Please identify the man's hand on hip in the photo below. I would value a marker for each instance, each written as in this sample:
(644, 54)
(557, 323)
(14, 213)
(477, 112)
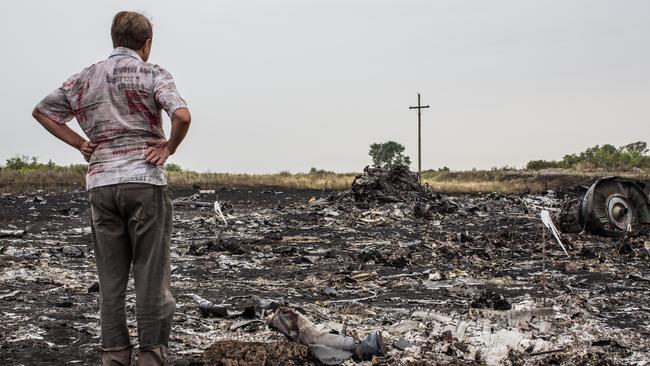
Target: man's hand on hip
(157, 152)
(160, 149)
(87, 149)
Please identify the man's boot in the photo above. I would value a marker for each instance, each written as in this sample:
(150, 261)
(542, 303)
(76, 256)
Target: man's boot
(153, 356)
(116, 358)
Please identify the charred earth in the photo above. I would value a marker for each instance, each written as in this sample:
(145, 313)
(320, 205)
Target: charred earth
(445, 279)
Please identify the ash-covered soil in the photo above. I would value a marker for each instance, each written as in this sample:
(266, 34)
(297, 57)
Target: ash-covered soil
(465, 286)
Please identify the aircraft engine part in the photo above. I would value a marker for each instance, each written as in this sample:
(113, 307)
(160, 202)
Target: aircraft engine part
(612, 207)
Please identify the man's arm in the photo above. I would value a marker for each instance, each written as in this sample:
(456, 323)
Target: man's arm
(159, 150)
(66, 134)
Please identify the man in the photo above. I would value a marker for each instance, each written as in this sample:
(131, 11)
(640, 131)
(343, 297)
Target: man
(117, 103)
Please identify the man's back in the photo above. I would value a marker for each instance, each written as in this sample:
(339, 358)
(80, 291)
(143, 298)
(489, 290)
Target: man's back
(117, 103)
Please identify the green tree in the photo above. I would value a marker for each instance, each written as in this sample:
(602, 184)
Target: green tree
(388, 154)
(626, 157)
(638, 147)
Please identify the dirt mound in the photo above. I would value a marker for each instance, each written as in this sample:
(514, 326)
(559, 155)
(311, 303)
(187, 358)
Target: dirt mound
(238, 353)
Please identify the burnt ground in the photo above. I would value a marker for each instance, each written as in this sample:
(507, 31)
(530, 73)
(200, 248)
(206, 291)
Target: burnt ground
(351, 270)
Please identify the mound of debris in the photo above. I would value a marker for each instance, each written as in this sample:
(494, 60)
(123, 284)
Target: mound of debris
(398, 185)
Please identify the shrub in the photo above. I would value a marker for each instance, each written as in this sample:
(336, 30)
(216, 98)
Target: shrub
(24, 162)
(172, 167)
(18, 162)
(320, 172)
(542, 164)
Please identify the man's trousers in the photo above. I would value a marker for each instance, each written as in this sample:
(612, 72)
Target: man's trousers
(131, 226)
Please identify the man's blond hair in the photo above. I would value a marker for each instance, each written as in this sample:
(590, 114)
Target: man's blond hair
(130, 30)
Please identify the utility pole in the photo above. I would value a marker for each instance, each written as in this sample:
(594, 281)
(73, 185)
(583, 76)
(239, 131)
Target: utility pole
(419, 108)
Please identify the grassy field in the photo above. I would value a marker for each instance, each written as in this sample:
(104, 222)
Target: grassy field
(509, 180)
(59, 178)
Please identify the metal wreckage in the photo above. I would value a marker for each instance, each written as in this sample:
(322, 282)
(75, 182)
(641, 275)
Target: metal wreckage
(386, 273)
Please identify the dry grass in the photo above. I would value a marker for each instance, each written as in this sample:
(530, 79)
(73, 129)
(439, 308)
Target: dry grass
(485, 186)
(456, 182)
(287, 180)
(47, 179)
(515, 180)
(66, 178)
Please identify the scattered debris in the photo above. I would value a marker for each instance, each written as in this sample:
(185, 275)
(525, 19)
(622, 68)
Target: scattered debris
(72, 251)
(548, 222)
(192, 201)
(352, 268)
(207, 308)
(69, 211)
(402, 344)
(217, 210)
(331, 292)
(491, 300)
(370, 347)
(10, 295)
(12, 233)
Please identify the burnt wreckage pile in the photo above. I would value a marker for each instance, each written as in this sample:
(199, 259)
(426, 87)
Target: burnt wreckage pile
(399, 185)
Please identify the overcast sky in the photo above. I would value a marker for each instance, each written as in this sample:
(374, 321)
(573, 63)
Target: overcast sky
(290, 85)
